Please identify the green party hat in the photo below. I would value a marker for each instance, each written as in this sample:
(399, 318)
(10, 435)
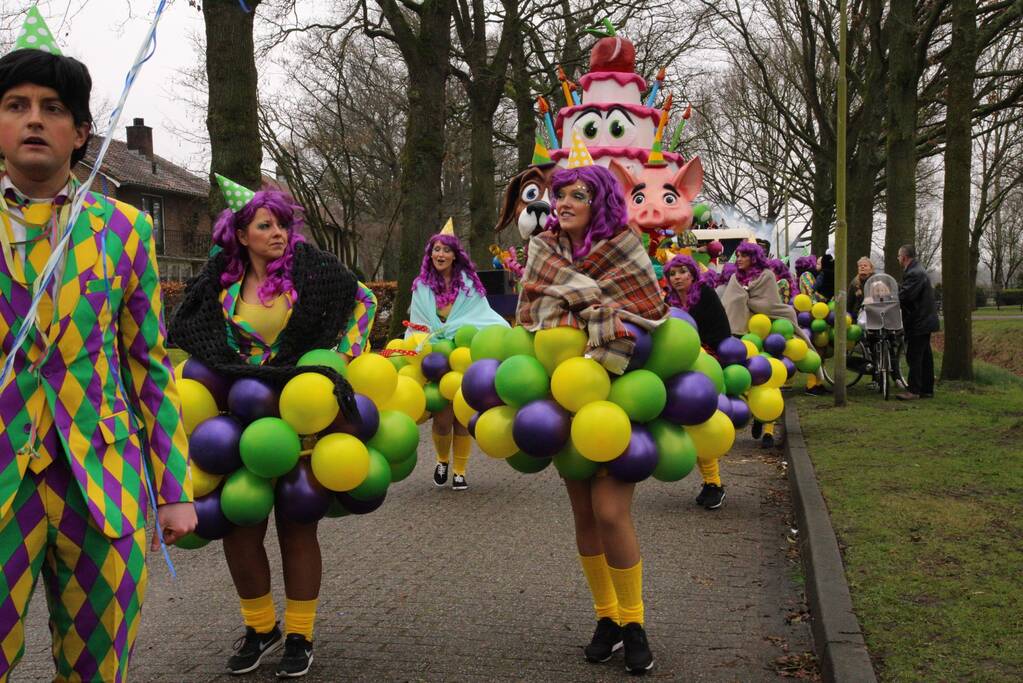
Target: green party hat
(235, 195)
(36, 35)
(540, 154)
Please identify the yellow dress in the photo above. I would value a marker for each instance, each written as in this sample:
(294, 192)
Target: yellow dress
(267, 321)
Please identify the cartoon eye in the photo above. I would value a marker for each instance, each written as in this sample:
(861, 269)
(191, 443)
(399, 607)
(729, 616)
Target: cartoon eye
(638, 198)
(530, 193)
(620, 127)
(670, 198)
(589, 125)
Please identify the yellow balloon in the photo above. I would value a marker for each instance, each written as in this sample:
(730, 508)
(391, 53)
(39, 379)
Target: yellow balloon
(450, 383)
(308, 403)
(766, 403)
(820, 310)
(460, 359)
(821, 340)
(417, 342)
(848, 320)
(463, 411)
(802, 303)
(179, 369)
(197, 404)
(408, 398)
(556, 345)
(413, 372)
(760, 325)
(374, 376)
(395, 344)
(751, 348)
(579, 381)
(714, 437)
(601, 431)
(796, 349)
(778, 374)
(340, 462)
(494, 432)
(202, 481)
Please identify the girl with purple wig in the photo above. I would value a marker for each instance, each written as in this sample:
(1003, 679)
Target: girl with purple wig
(786, 283)
(806, 274)
(264, 299)
(446, 296)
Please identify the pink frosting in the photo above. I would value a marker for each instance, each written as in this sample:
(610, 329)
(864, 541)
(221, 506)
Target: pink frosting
(621, 77)
(637, 109)
(637, 153)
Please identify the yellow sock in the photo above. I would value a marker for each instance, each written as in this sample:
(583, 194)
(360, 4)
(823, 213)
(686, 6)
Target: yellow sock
(299, 616)
(442, 442)
(710, 470)
(628, 585)
(811, 381)
(605, 600)
(769, 428)
(259, 613)
(463, 446)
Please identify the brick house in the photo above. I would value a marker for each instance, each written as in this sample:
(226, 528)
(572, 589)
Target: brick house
(176, 198)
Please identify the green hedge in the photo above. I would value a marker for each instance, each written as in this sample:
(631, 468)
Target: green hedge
(1009, 297)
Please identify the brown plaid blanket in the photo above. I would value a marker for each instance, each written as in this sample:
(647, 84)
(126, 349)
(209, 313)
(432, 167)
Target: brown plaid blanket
(615, 283)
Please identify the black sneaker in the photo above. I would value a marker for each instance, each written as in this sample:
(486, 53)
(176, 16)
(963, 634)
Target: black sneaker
(638, 658)
(713, 495)
(703, 494)
(767, 441)
(298, 657)
(440, 474)
(458, 483)
(250, 649)
(757, 429)
(606, 640)
(817, 390)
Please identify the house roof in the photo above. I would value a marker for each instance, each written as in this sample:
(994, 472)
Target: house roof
(131, 168)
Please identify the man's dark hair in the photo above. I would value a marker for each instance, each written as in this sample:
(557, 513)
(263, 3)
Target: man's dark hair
(69, 77)
(909, 250)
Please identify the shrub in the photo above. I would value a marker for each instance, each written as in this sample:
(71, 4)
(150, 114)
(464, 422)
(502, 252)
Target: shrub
(1009, 297)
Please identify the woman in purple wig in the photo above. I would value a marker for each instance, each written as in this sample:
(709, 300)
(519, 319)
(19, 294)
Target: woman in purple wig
(447, 296)
(786, 283)
(588, 270)
(806, 274)
(264, 299)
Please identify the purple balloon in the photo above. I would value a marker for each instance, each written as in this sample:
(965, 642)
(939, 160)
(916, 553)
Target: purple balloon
(471, 427)
(740, 413)
(211, 522)
(644, 343)
(300, 497)
(804, 319)
(640, 458)
(218, 385)
(541, 428)
(364, 426)
(725, 404)
(435, 366)
(831, 319)
(759, 369)
(251, 399)
(684, 316)
(790, 367)
(731, 351)
(359, 507)
(478, 388)
(213, 445)
(775, 345)
(692, 398)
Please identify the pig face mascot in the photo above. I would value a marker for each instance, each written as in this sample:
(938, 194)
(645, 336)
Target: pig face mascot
(660, 199)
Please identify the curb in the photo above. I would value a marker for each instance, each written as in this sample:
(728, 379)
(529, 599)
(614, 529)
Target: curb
(836, 630)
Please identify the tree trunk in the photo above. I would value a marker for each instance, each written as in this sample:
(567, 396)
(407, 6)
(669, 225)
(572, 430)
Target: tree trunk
(900, 176)
(482, 192)
(823, 204)
(863, 171)
(525, 131)
(961, 65)
(232, 113)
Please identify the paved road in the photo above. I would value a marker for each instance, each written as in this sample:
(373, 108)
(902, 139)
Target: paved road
(484, 585)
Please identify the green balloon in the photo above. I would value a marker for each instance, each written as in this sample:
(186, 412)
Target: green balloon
(465, 334)
(571, 464)
(246, 498)
(327, 358)
(831, 333)
(398, 362)
(489, 343)
(434, 401)
(397, 437)
(443, 347)
(401, 470)
(336, 509)
(521, 379)
(640, 393)
(376, 482)
(708, 365)
(676, 451)
(269, 447)
(831, 305)
(527, 464)
(699, 210)
(783, 327)
(518, 341)
(810, 363)
(818, 326)
(191, 542)
(737, 379)
(754, 339)
(675, 347)
(854, 333)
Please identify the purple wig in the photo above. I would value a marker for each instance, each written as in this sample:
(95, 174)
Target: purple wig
(428, 275)
(806, 264)
(278, 272)
(727, 271)
(608, 215)
(693, 295)
(758, 263)
(782, 272)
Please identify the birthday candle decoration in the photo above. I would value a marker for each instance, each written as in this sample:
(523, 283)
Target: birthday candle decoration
(575, 93)
(676, 138)
(566, 89)
(545, 109)
(657, 87)
(664, 118)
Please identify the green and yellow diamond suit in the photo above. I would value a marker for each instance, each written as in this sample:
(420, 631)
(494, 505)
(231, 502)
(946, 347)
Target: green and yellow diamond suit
(91, 396)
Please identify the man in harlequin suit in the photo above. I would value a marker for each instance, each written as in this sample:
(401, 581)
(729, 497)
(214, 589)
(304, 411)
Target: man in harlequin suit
(89, 414)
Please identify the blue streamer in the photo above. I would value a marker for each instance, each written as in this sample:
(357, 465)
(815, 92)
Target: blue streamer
(244, 6)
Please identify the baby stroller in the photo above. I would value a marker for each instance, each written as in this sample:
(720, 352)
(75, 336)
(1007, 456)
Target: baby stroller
(880, 317)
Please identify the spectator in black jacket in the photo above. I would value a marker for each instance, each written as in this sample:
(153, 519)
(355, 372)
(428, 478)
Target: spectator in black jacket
(825, 283)
(920, 319)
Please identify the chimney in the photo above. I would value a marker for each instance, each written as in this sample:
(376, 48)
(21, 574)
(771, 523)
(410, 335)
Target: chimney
(140, 138)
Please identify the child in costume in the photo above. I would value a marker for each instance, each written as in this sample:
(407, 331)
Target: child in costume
(90, 420)
(590, 271)
(446, 296)
(265, 299)
(806, 274)
(783, 276)
(694, 293)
